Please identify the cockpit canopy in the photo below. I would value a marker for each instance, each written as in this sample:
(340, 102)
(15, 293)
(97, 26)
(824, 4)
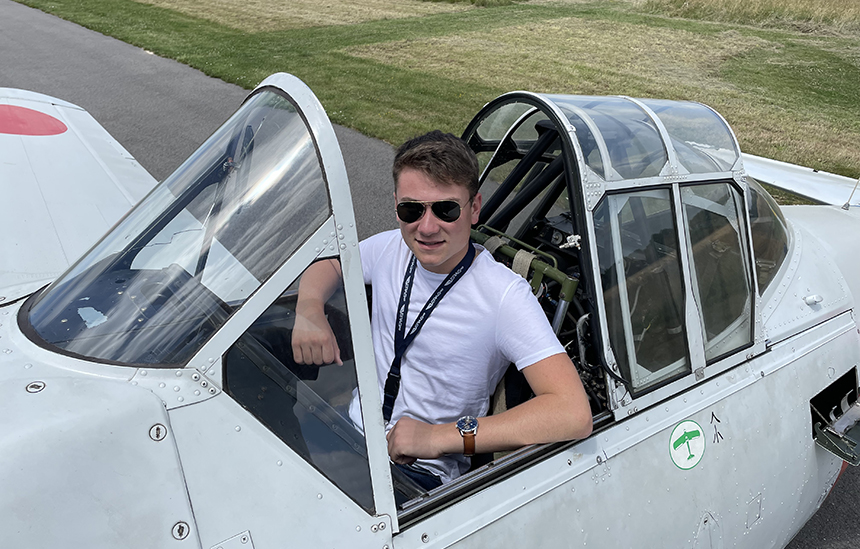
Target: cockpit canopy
(170, 274)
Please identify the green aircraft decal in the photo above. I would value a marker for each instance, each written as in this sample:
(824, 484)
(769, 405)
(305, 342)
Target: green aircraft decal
(685, 439)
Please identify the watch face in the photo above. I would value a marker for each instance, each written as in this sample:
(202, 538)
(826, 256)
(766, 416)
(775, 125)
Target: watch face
(467, 423)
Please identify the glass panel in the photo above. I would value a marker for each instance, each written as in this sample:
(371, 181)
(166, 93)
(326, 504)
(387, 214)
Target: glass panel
(307, 407)
(496, 124)
(769, 234)
(642, 285)
(701, 139)
(168, 276)
(719, 262)
(632, 140)
(520, 183)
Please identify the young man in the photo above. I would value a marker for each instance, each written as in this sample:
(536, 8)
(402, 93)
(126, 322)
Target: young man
(473, 315)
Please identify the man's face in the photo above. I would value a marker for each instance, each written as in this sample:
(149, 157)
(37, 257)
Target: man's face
(438, 245)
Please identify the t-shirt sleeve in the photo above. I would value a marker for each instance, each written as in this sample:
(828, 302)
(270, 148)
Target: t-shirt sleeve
(370, 249)
(523, 332)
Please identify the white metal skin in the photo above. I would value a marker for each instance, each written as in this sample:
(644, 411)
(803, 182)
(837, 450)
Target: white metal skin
(60, 192)
(97, 455)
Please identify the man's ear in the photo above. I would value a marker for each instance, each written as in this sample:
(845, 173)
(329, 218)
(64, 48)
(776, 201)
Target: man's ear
(476, 208)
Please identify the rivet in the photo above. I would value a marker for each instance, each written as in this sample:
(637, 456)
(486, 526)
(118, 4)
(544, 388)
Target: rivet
(425, 538)
(244, 539)
(27, 366)
(382, 526)
(178, 373)
(211, 360)
(195, 376)
(143, 372)
(204, 383)
(176, 389)
(358, 528)
(238, 428)
(212, 390)
(196, 393)
(162, 385)
(374, 528)
(181, 399)
(279, 462)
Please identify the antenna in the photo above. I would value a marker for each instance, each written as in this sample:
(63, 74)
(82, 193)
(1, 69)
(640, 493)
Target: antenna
(847, 204)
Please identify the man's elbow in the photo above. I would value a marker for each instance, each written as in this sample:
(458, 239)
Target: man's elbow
(581, 423)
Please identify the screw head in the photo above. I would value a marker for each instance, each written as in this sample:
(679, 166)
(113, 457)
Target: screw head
(35, 386)
(180, 530)
(158, 432)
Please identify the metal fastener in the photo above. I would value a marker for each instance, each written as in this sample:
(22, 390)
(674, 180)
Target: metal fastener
(158, 432)
(425, 538)
(180, 530)
(35, 386)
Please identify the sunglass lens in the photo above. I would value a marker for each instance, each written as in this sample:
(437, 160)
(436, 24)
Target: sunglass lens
(410, 212)
(446, 210)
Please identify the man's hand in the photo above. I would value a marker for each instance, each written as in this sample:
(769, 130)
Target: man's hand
(411, 439)
(313, 340)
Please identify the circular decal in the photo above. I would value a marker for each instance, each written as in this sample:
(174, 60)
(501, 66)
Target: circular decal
(687, 444)
(23, 121)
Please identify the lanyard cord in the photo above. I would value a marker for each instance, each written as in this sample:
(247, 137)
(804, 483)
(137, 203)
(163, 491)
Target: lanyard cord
(401, 341)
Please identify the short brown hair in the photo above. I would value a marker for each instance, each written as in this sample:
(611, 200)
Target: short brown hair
(443, 157)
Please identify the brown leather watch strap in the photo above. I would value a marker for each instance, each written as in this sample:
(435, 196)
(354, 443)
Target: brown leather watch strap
(468, 444)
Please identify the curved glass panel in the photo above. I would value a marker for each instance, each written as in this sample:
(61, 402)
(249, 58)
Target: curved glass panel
(640, 272)
(701, 139)
(524, 166)
(496, 124)
(168, 276)
(769, 234)
(632, 140)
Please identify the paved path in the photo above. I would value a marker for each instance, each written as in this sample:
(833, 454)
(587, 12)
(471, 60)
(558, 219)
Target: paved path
(161, 111)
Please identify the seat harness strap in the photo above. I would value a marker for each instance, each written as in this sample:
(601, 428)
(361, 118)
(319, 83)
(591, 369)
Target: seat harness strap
(401, 341)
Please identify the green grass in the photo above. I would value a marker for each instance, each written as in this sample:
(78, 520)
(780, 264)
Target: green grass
(788, 94)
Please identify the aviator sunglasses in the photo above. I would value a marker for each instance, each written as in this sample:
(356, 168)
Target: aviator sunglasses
(413, 210)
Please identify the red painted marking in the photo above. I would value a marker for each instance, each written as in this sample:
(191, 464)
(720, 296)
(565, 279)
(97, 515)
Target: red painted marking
(23, 121)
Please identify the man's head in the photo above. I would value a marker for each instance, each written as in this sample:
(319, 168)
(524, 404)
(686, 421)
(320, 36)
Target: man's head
(432, 172)
(443, 157)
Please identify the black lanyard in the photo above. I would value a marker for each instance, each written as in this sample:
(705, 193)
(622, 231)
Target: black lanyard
(403, 340)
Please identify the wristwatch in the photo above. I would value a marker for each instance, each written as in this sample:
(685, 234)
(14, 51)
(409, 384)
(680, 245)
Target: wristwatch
(468, 427)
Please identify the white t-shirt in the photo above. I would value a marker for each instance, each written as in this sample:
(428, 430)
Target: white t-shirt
(489, 319)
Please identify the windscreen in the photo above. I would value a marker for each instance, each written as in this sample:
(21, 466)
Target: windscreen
(168, 276)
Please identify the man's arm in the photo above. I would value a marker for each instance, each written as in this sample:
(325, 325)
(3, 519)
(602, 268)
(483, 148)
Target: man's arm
(313, 340)
(559, 411)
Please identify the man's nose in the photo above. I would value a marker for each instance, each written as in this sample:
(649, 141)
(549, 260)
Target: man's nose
(429, 223)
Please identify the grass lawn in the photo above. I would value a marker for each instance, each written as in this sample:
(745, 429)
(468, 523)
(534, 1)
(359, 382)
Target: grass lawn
(787, 79)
